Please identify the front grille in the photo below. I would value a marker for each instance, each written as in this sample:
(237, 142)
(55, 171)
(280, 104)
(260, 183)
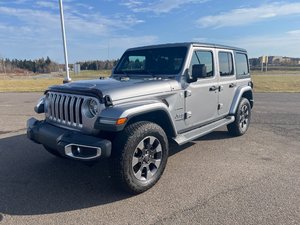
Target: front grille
(65, 108)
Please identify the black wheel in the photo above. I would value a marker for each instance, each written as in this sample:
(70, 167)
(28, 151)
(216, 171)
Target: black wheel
(53, 152)
(242, 119)
(140, 155)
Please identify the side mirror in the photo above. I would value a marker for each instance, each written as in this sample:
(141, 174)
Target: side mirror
(199, 71)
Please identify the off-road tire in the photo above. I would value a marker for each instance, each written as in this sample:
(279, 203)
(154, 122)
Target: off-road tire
(125, 147)
(242, 119)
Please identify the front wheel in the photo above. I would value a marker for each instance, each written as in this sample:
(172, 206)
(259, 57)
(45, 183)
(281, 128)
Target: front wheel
(242, 119)
(140, 154)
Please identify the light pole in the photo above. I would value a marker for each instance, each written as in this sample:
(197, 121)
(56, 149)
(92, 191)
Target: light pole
(67, 78)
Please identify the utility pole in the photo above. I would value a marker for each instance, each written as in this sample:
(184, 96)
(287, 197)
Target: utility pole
(264, 62)
(108, 48)
(63, 31)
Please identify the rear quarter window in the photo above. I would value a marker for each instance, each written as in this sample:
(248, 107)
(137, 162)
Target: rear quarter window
(242, 67)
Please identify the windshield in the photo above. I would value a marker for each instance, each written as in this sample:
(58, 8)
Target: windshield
(155, 61)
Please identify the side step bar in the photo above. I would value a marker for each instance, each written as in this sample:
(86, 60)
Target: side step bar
(201, 131)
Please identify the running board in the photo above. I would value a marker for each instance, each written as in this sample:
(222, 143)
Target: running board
(201, 131)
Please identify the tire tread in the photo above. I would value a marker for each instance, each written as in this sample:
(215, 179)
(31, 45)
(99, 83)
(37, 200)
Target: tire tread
(233, 128)
(122, 142)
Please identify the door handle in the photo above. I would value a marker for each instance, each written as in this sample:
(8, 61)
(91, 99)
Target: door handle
(213, 88)
(232, 85)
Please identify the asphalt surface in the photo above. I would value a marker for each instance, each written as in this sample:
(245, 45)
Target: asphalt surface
(15, 109)
(217, 179)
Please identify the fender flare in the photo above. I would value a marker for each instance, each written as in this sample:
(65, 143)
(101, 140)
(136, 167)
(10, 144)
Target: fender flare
(237, 97)
(109, 116)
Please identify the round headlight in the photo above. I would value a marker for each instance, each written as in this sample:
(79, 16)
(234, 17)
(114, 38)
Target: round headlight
(91, 108)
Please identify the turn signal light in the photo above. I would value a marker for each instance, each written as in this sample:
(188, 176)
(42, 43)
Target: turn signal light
(121, 121)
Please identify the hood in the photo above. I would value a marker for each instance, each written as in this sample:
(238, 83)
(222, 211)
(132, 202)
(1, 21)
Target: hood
(121, 89)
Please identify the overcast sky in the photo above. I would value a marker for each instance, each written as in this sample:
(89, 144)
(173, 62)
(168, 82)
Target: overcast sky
(104, 29)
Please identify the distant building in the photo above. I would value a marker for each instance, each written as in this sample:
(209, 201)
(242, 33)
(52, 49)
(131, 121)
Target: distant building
(76, 68)
(275, 60)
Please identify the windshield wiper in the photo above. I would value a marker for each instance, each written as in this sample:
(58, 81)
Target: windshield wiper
(152, 74)
(122, 75)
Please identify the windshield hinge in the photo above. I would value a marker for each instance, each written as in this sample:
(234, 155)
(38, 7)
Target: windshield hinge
(187, 93)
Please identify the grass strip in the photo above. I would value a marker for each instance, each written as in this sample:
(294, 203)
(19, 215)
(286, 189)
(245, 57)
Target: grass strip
(262, 83)
(272, 83)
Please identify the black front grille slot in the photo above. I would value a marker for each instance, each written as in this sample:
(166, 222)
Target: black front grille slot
(65, 109)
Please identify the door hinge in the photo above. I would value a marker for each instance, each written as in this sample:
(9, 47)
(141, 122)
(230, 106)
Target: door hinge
(187, 93)
(188, 115)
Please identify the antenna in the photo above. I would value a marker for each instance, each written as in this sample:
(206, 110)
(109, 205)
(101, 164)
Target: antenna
(67, 78)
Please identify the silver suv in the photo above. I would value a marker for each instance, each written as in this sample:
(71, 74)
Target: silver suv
(155, 94)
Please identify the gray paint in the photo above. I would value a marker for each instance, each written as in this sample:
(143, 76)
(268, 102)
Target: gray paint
(187, 105)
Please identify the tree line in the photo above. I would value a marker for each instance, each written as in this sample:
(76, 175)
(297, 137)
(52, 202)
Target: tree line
(43, 65)
(97, 65)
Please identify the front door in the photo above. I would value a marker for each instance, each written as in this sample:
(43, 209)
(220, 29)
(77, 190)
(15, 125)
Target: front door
(201, 96)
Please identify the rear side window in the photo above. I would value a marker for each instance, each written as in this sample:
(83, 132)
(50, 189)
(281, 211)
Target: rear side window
(226, 64)
(242, 68)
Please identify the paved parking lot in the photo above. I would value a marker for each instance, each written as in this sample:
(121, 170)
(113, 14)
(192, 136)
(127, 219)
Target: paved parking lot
(253, 179)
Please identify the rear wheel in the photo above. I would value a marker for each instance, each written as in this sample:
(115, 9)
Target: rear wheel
(242, 119)
(140, 154)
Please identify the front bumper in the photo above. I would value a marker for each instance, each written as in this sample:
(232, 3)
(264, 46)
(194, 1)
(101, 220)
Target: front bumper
(71, 144)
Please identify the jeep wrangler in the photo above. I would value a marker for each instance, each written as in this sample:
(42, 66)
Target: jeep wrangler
(155, 94)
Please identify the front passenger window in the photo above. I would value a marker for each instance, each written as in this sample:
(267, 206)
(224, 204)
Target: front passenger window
(203, 57)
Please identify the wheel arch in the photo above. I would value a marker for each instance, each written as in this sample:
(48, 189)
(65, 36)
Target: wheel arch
(243, 92)
(148, 110)
(160, 117)
(249, 95)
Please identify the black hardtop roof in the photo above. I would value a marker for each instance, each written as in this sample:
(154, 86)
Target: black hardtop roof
(188, 44)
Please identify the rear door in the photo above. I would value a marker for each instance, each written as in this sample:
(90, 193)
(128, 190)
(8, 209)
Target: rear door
(227, 81)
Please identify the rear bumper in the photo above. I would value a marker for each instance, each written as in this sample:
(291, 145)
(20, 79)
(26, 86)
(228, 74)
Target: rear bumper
(68, 143)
